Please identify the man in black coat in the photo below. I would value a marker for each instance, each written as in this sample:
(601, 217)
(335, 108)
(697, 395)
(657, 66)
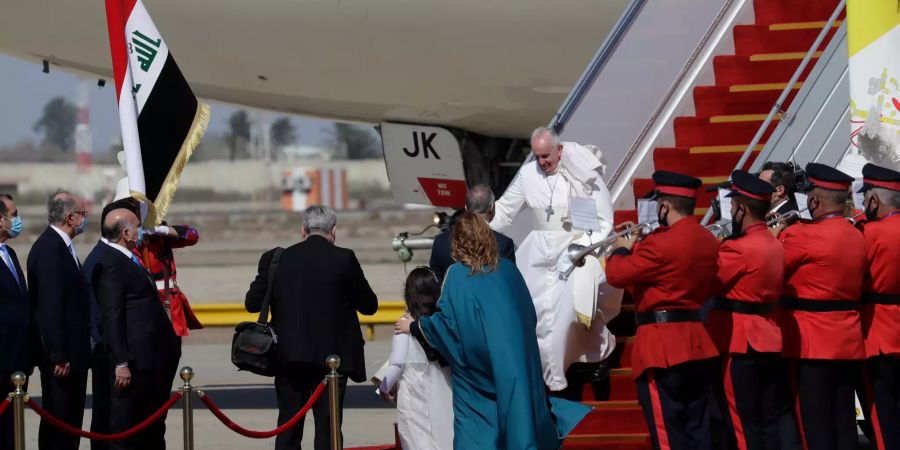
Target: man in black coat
(15, 315)
(479, 200)
(317, 290)
(136, 332)
(101, 367)
(60, 307)
(781, 176)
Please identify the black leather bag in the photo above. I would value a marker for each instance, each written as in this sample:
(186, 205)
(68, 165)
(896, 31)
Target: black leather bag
(254, 347)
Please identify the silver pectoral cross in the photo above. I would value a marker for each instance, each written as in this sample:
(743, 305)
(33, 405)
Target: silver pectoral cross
(549, 212)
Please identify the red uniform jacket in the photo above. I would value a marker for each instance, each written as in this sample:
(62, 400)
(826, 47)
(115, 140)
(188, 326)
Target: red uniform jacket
(824, 261)
(672, 268)
(881, 323)
(751, 270)
(156, 254)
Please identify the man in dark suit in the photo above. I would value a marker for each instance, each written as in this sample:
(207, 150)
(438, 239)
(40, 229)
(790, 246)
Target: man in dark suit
(60, 307)
(479, 200)
(15, 315)
(136, 332)
(317, 290)
(781, 176)
(101, 367)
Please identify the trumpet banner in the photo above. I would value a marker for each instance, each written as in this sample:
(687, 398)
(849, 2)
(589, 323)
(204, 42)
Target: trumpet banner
(873, 37)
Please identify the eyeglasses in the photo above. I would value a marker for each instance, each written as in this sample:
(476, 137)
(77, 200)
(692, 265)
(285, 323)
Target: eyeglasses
(82, 213)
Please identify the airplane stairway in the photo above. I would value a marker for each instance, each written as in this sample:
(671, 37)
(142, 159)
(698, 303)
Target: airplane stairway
(709, 144)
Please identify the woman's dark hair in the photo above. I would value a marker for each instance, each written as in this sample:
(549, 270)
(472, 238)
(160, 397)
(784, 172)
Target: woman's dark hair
(421, 292)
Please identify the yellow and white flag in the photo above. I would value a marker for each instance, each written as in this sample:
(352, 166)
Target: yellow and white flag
(873, 37)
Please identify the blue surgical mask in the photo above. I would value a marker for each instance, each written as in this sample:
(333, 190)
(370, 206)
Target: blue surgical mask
(15, 227)
(140, 237)
(80, 229)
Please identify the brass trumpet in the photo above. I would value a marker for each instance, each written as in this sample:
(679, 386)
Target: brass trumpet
(780, 219)
(577, 252)
(718, 229)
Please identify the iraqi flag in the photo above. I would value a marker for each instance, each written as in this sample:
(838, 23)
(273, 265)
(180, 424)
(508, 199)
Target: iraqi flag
(162, 121)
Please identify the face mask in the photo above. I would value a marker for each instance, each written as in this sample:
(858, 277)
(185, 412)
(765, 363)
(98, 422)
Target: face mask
(140, 237)
(16, 227)
(809, 204)
(80, 228)
(871, 212)
(663, 218)
(736, 225)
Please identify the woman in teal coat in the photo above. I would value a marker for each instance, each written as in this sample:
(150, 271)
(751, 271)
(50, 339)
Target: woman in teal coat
(485, 329)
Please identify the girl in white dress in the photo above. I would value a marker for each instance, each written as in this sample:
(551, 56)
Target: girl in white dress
(424, 396)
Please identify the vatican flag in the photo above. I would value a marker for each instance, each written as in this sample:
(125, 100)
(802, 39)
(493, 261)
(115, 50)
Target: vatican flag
(873, 37)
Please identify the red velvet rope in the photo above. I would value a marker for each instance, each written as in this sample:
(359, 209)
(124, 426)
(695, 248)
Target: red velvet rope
(263, 434)
(3, 405)
(99, 436)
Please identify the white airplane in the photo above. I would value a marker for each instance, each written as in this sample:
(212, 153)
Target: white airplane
(494, 67)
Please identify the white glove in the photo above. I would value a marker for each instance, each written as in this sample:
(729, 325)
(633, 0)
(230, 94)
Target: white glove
(162, 229)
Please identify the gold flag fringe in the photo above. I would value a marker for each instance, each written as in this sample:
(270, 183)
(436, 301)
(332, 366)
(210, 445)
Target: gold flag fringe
(584, 320)
(157, 210)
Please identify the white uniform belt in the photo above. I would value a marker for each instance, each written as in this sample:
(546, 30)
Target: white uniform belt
(161, 284)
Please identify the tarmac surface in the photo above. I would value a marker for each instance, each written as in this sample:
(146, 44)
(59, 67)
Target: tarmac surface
(249, 400)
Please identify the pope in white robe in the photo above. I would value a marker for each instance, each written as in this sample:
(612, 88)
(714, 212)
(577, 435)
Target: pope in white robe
(534, 211)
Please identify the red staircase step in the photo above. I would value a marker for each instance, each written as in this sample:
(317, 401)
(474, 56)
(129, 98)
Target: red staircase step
(613, 417)
(731, 100)
(719, 130)
(734, 69)
(682, 160)
(622, 385)
(756, 39)
(623, 215)
(638, 441)
(627, 343)
(782, 11)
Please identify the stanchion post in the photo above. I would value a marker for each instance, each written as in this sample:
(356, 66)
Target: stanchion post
(18, 403)
(333, 362)
(187, 374)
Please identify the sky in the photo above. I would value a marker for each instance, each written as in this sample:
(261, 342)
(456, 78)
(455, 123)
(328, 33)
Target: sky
(24, 90)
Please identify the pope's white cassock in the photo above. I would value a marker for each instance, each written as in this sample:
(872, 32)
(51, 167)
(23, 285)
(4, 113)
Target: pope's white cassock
(571, 314)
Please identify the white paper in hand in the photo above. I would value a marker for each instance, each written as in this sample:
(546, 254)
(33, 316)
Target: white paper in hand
(583, 212)
(725, 204)
(858, 197)
(646, 210)
(801, 203)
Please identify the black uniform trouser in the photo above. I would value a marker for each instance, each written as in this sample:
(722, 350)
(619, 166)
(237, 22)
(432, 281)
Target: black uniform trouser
(63, 398)
(580, 374)
(293, 388)
(755, 400)
(825, 402)
(677, 404)
(881, 388)
(6, 419)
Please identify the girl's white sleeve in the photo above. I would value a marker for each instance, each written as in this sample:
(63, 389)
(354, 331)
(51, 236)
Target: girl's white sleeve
(399, 346)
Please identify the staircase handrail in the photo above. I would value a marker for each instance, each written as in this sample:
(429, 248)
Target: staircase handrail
(599, 60)
(692, 68)
(777, 107)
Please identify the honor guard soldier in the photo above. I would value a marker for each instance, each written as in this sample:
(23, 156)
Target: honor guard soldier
(156, 254)
(754, 393)
(669, 274)
(881, 302)
(824, 265)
